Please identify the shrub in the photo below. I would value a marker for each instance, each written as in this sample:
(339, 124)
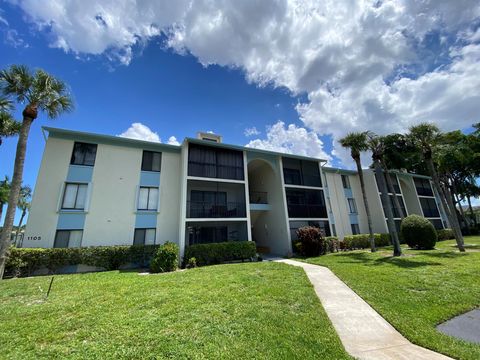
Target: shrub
(310, 241)
(165, 259)
(216, 253)
(25, 261)
(445, 234)
(191, 263)
(418, 232)
(332, 244)
(362, 241)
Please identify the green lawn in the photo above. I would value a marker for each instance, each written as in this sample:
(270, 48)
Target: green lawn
(252, 310)
(417, 291)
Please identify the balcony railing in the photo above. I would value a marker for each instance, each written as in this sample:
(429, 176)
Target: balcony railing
(203, 209)
(258, 197)
(307, 211)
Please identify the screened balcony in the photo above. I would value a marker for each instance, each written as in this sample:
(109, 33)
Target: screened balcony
(206, 199)
(214, 232)
(212, 162)
(305, 204)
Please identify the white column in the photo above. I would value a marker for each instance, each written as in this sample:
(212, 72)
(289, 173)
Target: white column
(284, 198)
(183, 198)
(247, 196)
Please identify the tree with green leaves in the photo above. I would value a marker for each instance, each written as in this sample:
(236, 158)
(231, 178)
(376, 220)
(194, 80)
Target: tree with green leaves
(24, 206)
(36, 91)
(4, 193)
(377, 147)
(8, 125)
(426, 137)
(357, 143)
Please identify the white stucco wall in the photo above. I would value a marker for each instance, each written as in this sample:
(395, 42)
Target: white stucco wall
(111, 217)
(376, 211)
(339, 204)
(169, 211)
(43, 217)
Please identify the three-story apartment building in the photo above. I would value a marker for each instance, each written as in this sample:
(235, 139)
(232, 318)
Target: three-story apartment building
(95, 190)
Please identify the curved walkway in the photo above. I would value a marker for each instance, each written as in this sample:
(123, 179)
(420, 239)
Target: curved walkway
(363, 332)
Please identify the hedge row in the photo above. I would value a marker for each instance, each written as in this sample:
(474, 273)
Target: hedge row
(362, 241)
(445, 234)
(25, 261)
(216, 253)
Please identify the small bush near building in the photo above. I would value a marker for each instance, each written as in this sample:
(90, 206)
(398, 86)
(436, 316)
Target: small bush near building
(216, 253)
(165, 259)
(25, 261)
(362, 241)
(311, 242)
(445, 234)
(418, 232)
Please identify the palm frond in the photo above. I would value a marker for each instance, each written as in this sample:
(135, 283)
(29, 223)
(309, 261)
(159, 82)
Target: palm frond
(16, 81)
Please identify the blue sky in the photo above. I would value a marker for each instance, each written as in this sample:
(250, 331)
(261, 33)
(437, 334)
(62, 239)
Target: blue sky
(301, 73)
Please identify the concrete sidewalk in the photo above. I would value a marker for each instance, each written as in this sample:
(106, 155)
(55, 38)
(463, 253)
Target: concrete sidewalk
(363, 332)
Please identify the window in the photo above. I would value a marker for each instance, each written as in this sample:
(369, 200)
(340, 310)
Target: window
(147, 198)
(68, 238)
(206, 161)
(334, 230)
(393, 178)
(74, 196)
(322, 225)
(84, 154)
(144, 236)
(352, 206)
(429, 207)
(151, 161)
(304, 203)
(423, 187)
(355, 229)
(207, 234)
(346, 182)
(437, 223)
(301, 172)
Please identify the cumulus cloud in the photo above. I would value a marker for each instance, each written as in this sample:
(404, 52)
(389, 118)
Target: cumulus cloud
(172, 140)
(252, 131)
(291, 140)
(362, 64)
(140, 131)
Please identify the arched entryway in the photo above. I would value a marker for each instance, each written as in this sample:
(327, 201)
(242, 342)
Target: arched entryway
(267, 210)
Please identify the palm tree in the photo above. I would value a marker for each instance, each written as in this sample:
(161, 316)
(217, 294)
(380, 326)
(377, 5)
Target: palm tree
(4, 192)
(24, 206)
(37, 91)
(8, 126)
(357, 142)
(425, 136)
(377, 147)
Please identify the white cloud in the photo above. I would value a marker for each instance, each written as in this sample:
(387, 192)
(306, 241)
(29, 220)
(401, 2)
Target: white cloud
(139, 131)
(252, 131)
(347, 56)
(172, 140)
(291, 140)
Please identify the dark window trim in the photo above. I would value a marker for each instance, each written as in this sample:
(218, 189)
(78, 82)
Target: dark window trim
(148, 198)
(69, 233)
(83, 162)
(144, 235)
(151, 167)
(76, 196)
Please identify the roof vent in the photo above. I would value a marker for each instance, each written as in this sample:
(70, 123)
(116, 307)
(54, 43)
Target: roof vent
(209, 136)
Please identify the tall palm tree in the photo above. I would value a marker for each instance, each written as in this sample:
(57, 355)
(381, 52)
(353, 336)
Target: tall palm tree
(4, 192)
(377, 147)
(357, 142)
(24, 206)
(8, 126)
(425, 136)
(38, 91)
